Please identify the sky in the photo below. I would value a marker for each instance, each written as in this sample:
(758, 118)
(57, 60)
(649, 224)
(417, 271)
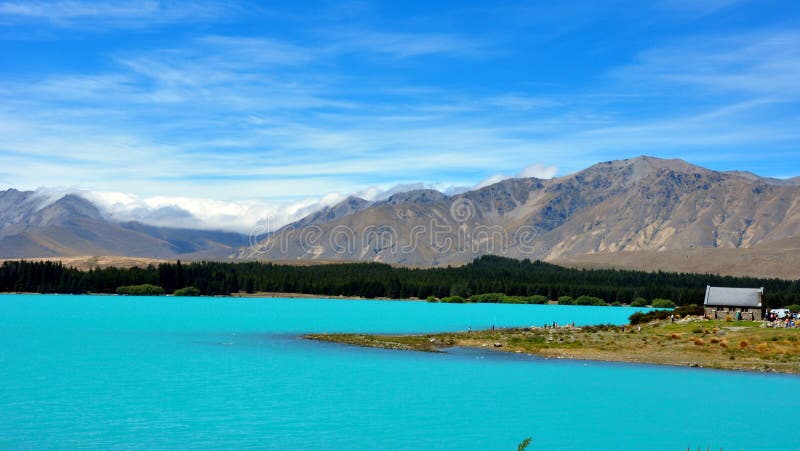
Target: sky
(220, 114)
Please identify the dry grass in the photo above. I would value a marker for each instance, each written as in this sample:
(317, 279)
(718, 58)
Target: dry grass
(743, 344)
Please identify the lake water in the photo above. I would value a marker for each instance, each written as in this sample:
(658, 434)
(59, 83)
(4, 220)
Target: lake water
(155, 373)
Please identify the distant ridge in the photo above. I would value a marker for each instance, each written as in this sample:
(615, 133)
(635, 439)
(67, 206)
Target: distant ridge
(768, 180)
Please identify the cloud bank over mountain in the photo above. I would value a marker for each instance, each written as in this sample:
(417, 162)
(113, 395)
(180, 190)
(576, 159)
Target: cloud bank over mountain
(242, 216)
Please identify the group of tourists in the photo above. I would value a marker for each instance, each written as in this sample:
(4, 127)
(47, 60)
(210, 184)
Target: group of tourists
(555, 325)
(787, 320)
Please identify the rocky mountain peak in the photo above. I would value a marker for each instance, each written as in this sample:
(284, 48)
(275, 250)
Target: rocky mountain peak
(420, 196)
(65, 209)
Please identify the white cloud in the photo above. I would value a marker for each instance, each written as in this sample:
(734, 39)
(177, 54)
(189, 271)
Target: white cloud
(491, 180)
(538, 170)
(201, 213)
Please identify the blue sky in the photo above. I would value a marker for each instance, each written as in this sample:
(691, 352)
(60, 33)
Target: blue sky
(230, 109)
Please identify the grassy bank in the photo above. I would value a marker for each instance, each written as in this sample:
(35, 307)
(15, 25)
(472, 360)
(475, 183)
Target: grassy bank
(695, 342)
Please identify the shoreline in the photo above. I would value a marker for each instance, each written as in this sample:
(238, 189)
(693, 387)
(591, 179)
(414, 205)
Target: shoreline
(233, 295)
(293, 295)
(288, 295)
(696, 343)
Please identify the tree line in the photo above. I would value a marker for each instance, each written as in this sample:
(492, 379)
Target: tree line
(487, 274)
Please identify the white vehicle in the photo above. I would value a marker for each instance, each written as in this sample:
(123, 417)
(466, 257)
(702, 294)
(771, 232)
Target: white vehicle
(781, 312)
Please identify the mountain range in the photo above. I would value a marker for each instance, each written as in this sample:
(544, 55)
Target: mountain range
(644, 212)
(643, 204)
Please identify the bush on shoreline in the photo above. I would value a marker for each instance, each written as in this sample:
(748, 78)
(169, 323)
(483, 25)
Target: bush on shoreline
(453, 300)
(566, 300)
(589, 300)
(145, 289)
(502, 298)
(663, 303)
(488, 298)
(186, 291)
(536, 299)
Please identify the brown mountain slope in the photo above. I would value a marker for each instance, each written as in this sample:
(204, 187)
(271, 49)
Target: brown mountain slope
(642, 204)
(782, 263)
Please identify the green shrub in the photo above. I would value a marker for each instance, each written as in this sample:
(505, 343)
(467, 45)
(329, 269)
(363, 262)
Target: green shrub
(639, 302)
(663, 303)
(600, 328)
(536, 299)
(140, 290)
(640, 318)
(432, 299)
(501, 298)
(616, 304)
(691, 309)
(566, 300)
(589, 300)
(794, 308)
(488, 298)
(186, 291)
(453, 300)
(513, 300)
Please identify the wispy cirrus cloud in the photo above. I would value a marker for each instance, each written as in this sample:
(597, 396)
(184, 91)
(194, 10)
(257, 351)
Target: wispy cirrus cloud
(758, 63)
(281, 125)
(102, 14)
(699, 7)
(64, 10)
(404, 44)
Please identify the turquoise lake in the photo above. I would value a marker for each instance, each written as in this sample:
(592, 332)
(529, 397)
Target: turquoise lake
(189, 373)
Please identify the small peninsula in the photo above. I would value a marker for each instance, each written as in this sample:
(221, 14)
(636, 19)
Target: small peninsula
(691, 341)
